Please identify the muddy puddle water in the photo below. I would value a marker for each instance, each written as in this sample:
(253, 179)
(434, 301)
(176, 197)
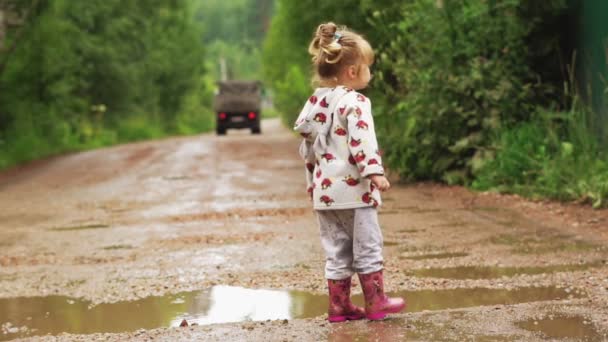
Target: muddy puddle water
(221, 304)
(489, 272)
(437, 256)
(574, 328)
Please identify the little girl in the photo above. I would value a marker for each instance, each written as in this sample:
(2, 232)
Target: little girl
(344, 172)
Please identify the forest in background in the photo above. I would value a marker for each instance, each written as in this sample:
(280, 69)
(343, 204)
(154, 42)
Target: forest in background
(488, 94)
(506, 95)
(76, 75)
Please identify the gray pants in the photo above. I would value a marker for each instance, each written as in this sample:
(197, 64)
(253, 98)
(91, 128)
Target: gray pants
(352, 241)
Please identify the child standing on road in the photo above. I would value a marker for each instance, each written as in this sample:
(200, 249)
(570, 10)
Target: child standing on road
(344, 172)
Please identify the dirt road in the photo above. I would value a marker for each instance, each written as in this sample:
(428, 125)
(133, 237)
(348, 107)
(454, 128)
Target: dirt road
(182, 216)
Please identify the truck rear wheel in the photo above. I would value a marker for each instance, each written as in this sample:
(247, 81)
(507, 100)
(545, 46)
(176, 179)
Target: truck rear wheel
(220, 131)
(256, 130)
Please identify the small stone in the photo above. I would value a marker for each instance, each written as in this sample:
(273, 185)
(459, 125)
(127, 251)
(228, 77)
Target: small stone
(184, 323)
(285, 321)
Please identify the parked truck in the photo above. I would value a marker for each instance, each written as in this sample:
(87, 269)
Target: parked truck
(238, 105)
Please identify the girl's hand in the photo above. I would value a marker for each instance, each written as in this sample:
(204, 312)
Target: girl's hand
(380, 182)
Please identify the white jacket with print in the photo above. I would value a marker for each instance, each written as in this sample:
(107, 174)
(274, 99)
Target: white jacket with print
(340, 149)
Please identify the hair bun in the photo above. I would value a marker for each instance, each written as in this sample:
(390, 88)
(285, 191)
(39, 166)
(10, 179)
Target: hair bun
(326, 32)
(324, 47)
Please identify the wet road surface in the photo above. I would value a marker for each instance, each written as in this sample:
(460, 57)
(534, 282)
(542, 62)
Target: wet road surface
(218, 231)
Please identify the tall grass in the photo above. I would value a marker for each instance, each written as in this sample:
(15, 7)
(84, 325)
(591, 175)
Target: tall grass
(554, 156)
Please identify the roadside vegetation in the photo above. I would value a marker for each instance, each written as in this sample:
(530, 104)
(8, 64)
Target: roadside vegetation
(483, 93)
(76, 75)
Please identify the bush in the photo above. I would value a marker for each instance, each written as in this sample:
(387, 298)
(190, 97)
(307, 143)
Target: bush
(454, 73)
(552, 157)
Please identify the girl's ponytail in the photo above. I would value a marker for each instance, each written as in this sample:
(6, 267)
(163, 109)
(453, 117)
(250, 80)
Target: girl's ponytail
(333, 47)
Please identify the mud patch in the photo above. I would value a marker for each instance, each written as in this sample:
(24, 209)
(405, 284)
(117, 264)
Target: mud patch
(223, 304)
(216, 239)
(574, 328)
(10, 239)
(243, 214)
(83, 227)
(490, 272)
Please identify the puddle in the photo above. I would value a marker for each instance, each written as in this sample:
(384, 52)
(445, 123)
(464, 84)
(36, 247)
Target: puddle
(575, 328)
(490, 272)
(390, 243)
(437, 256)
(89, 226)
(543, 242)
(223, 304)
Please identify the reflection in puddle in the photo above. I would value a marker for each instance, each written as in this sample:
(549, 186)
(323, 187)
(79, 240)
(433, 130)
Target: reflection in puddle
(575, 328)
(56, 314)
(544, 242)
(489, 272)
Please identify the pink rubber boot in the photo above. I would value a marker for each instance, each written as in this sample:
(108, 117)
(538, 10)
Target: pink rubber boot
(340, 306)
(377, 304)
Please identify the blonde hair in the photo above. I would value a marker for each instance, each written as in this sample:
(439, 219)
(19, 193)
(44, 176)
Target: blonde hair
(335, 47)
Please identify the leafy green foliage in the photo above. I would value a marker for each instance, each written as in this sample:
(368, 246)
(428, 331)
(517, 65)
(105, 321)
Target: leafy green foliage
(92, 73)
(553, 156)
(457, 90)
(453, 74)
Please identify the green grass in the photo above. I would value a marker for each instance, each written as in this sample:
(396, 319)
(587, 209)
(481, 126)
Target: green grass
(553, 157)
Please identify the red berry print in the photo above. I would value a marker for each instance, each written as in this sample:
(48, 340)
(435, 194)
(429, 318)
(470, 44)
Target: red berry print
(313, 99)
(310, 167)
(362, 125)
(372, 162)
(324, 103)
(340, 131)
(318, 174)
(361, 98)
(328, 156)
(352, 160)
(326, 199)
(358, 112)
(360, 156)
(320, 117)
(355, 142)
(350, 180)
(368, 199)
(342, 110)
(326, 183)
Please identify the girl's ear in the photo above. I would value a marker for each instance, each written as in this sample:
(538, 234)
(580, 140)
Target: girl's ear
(352, 72)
